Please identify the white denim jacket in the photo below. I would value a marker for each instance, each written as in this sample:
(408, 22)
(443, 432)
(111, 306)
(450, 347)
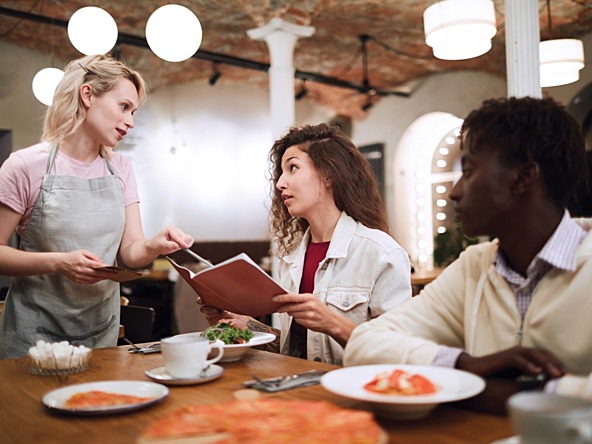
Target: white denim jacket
(365, 273)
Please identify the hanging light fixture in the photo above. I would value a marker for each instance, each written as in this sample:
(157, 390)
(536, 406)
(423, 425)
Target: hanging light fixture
(302, 92)
(45, 83)
(459, 29)
(173, 33)
(216, 74)
(92, 30)
(561, 59)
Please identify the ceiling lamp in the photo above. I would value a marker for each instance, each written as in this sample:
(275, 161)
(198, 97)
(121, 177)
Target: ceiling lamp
(45, 83)
(459, 29)
(561, 61)
(173, 33)
(92, 30)
(216, 74)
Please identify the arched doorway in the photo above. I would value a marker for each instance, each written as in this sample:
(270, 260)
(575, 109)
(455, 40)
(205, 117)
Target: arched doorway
(426, 166)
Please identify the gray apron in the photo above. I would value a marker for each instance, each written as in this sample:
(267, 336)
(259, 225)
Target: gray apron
(70, 214)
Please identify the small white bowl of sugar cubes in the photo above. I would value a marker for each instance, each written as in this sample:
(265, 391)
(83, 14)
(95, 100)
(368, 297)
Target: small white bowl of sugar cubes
(58, 358)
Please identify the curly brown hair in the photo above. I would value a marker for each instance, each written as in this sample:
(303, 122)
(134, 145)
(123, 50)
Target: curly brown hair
(526, 129)
(334, 155)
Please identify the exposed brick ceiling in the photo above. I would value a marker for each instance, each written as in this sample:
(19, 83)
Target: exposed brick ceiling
(398, 57)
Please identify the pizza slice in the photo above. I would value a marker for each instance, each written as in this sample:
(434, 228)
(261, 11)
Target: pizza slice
(400, 382)
(265, 421)
(98, 398)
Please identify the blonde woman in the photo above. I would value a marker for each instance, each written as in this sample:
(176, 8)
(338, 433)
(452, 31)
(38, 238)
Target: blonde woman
(74, 204)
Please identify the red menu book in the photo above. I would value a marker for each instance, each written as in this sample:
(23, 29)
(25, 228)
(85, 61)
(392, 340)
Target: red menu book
(237, 285)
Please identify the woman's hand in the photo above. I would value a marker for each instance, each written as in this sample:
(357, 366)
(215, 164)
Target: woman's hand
(81, 266)
(216, 316)
(136, 251)
(169, 240)
(311, 313)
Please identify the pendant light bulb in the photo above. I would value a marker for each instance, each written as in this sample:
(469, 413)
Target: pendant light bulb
(173, 33)
(92, 31)
(45, 83)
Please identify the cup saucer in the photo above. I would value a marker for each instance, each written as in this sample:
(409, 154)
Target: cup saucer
(510, 440)
(160, 374)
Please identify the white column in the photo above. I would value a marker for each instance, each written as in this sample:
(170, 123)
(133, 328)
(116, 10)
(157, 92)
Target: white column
(522, 48)
(281, 37)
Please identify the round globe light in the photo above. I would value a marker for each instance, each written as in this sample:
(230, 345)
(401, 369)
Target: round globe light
(45, 83)
(92, 30)
(173, 33)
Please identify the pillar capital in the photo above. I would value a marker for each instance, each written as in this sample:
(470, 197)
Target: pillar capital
(281, 37)
(279, 24)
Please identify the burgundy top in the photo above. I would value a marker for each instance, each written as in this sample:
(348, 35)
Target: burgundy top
(315, 253)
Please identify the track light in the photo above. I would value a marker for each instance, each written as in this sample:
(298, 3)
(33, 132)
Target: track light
(368, 104)
(302, 92)
(215, 75)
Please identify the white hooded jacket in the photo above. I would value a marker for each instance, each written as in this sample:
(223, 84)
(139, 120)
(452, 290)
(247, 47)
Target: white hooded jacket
(473, 308)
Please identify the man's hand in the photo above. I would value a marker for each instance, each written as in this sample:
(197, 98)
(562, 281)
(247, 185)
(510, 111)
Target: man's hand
(521, 360)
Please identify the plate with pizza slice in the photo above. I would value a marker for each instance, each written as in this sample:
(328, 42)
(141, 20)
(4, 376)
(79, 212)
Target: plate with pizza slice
(104, 397)
(403, 391)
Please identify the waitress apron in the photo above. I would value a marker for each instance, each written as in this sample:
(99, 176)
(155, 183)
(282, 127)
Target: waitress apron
(70, 214)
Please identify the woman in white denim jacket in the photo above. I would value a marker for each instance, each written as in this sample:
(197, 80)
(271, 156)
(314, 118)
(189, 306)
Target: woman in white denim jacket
(330, 235)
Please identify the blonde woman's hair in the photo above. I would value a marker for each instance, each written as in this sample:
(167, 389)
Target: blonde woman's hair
(67, 112)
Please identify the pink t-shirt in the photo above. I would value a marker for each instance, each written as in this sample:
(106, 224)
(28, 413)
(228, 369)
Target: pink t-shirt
(22, 173)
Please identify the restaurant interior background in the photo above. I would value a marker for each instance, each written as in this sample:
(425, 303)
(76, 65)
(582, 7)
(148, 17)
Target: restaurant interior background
(200, 145)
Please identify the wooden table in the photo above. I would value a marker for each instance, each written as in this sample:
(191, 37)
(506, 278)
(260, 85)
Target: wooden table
(420, 278)
(424, 277)
(23, 419)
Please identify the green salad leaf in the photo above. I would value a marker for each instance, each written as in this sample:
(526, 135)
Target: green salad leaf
(227, 334)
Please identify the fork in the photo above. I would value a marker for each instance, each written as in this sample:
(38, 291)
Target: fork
(269, 382)
(134, 346)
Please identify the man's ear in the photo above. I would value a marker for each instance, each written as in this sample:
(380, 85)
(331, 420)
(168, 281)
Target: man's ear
(86, 94)
(526, 176)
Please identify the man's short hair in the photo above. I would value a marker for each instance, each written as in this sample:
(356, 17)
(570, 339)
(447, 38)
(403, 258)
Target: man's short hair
(526, 129)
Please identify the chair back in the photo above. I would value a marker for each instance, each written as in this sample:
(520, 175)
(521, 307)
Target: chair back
(138, 322)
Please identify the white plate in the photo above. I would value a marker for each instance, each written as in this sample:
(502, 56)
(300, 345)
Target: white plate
(56, 399)
(161, 375)
(510, 440)
(452, 384)
(233, 352)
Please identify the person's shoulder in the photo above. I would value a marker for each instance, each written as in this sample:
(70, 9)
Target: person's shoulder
(482, 253)
(117, 158)
(584, 222)
(376, 237)
(585, 248)
(31, 156)
(121, 163)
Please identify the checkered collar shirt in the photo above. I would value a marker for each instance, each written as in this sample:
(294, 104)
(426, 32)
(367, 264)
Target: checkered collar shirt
(559, 252)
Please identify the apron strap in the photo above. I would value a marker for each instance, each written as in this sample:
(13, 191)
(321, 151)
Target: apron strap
(52, 155)
(109, 166)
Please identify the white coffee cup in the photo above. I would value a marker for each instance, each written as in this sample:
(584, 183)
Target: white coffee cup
(541, 418)
(185, 356)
